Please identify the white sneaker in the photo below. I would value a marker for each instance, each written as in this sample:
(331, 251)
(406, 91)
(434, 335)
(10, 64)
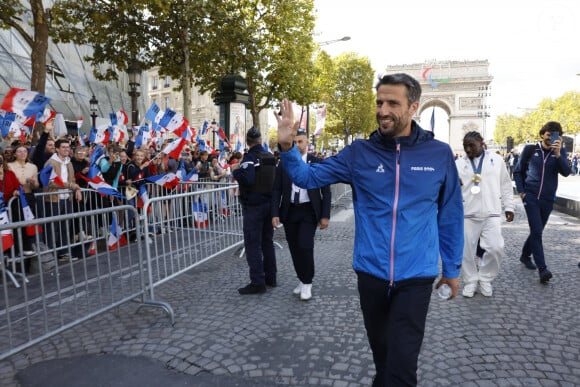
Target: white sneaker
(298, 289)
(486, 289)
(469, 290)
(306, 292)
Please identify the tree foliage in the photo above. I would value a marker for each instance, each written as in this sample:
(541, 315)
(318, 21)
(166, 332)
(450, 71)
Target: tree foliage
(347, 88)
(524, 129)
(119, 32)
(268, 41)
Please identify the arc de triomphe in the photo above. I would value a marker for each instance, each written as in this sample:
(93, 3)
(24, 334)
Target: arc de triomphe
(460, 88)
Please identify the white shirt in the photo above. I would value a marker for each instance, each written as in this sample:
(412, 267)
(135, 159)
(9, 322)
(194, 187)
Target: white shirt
(303, 193)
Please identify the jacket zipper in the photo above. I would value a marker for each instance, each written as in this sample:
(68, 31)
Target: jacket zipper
(545, 159)
(394, 225)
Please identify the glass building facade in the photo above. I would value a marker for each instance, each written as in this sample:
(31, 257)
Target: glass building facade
(70, 83)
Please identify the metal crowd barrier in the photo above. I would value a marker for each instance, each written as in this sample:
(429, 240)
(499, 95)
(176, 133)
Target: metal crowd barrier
(167, 234)
(172, 232)
(340, 191)
(196, 224)
(77, 276)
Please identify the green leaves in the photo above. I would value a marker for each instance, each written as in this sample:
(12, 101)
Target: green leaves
(565, 109)
(346, 85)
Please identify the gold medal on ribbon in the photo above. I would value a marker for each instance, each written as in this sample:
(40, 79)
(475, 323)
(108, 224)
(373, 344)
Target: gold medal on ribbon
(476, 178)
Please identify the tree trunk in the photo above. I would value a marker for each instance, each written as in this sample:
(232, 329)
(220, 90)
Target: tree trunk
(253, 105)
(39, 47)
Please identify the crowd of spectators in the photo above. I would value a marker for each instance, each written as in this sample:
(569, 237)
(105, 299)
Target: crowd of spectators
(122, 166)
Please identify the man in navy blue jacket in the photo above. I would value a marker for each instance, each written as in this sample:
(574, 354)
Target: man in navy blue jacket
(536, 177)
(408, 209)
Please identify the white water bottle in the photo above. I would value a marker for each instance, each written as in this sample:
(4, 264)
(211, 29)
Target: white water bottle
(444, 292)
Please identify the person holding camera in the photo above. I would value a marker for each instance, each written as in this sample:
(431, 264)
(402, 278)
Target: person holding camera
(536, 177)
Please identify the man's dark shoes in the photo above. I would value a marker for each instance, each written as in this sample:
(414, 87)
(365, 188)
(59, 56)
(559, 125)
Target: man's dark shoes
(271, 283)
(527, 261)
(252, 289)
(545, 275)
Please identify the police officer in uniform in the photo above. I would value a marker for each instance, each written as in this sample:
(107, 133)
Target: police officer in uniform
(255, 175)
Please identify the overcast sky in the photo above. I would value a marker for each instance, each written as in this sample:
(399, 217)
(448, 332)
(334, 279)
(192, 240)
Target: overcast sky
(532, 46)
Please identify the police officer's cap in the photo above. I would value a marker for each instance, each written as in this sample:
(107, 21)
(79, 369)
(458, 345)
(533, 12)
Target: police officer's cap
(253, 134)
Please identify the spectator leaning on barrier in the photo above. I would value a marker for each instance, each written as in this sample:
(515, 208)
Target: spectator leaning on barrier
(536, 177)
(45, 147)
(59, 202)
(408, 213)
(110, 165)
(202, 165)
(8, 182)
(27, 175)
(216, 172)
(255, 176)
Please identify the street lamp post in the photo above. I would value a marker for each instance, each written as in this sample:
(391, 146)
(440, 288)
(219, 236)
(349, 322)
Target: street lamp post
(485, 91)
(94, 106)
(343, 39)
(134, 72)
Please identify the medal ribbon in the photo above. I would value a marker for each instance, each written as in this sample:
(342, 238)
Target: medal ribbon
(477, 171)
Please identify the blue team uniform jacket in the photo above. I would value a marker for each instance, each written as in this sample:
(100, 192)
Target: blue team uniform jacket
(407, 202)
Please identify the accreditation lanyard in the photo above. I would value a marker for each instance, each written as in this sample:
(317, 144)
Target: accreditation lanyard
(476, 179)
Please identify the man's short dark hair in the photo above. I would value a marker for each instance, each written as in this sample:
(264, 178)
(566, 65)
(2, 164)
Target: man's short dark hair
(61, 141)
(253, 136)
(551, 126)
(301, 132)
(413, 87)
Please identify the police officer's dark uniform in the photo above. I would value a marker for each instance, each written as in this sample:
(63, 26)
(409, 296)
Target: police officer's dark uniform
(256, 178)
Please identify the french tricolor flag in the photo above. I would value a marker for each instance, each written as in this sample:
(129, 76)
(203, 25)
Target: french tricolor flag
(119, 118)
(118, 134)
(46, 116)
(82, 141)
(204, 127)
(142, 197)
(116, 236)
(177, 124)
(47, 175)
(168, 180)
(175, 147)
(7, 236)
(100, 136)
(28, 215)
(27, 103)
(222, 134)
(101, 186)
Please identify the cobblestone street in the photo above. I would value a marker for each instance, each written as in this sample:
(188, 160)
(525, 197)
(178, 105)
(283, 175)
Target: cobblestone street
(527, 334)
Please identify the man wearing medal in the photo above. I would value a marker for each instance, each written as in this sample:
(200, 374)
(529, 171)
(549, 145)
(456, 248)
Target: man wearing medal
(485, 187)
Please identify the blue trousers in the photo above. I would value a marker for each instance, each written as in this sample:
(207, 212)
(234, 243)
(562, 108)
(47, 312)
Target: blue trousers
(394, 319)
(538, 212)
(259, 242)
